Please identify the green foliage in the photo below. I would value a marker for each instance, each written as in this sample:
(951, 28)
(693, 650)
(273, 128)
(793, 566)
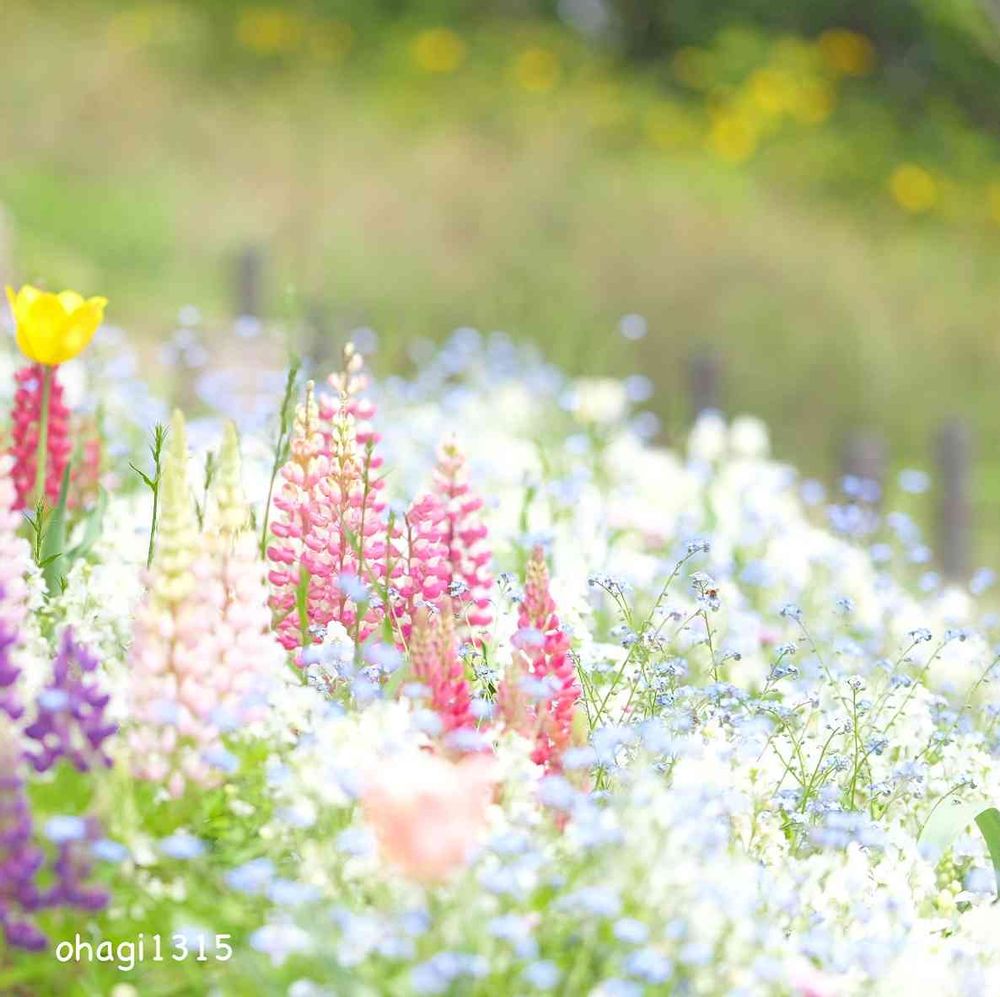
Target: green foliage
(951, 817)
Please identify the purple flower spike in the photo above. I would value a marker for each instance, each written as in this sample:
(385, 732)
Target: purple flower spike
(20, 858)
(70, 721)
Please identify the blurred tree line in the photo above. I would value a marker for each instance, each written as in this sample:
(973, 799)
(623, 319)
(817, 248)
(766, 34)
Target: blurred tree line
(927, 48)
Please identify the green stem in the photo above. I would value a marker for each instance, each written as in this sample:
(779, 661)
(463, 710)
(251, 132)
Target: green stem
(41, 455)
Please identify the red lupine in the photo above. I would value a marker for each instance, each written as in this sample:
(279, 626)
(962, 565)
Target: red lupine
(436, 664)
(25, 429)
(542, 660)
(465, 536)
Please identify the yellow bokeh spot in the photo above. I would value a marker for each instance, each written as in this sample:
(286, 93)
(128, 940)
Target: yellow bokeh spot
(438, 50)
(732, 138)
(772, 90)
(269, 30)
(813, 102)
(537, 70)
(913, 188)
(993, 200)
(847, 52)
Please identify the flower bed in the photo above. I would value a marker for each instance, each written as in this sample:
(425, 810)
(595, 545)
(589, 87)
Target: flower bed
(459, 685)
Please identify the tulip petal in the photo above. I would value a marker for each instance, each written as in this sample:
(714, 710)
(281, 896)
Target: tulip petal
(40, 328)
(70, 301)
(80, 328)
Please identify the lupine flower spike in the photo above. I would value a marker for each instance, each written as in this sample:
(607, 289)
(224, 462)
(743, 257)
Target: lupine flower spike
(20, 857)
(352, 558)
(249, 654)
(299, 519)
(26, 425)
(330, 523)
(15, 557)
(466, 538)
(173, 688)
(437, 666)
(70, 720)
(539, 695)
(419, 562)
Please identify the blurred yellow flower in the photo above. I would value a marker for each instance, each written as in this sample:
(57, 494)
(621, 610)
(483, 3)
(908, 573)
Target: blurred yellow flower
(812, 102)
(773, 90)
(54, 328)
(993, 201)
(732, 138)
(438, 50)
(913, 188)
(847, 52)
(269, 30)
(537, 70)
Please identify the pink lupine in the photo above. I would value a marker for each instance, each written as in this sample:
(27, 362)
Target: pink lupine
(436, 665)
(419, 565)
(25, 429)
(351, 551)
(539, 695)
(469, 555)
(300, 517)
(331, 523)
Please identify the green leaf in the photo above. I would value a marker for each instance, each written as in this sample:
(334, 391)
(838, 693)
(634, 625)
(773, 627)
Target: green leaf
(54, 541)
(949, 819)
(93, 525)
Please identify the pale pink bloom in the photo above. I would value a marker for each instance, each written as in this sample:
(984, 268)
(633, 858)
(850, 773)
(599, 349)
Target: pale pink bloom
(429, 813)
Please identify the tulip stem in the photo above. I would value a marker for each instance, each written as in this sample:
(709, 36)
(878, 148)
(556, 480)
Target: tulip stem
(43, 433)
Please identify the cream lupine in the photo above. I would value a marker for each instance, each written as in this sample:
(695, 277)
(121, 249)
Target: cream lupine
(173, 683)
(249, 655)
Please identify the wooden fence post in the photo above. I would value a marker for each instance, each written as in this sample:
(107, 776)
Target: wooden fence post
(249, 282)
(953, 458)
(704, 377)
(864, 457)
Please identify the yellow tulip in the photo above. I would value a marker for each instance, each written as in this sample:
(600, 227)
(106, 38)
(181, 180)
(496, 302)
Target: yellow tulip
(54, 328)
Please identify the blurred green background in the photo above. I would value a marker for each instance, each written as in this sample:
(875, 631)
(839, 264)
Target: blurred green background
(810, 189)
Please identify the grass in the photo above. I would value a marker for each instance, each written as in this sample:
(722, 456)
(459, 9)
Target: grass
(140, 156)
